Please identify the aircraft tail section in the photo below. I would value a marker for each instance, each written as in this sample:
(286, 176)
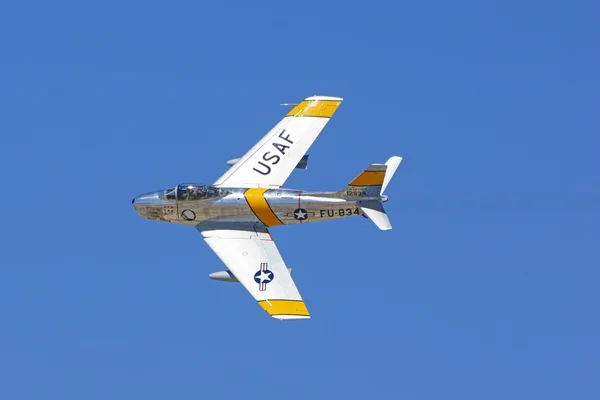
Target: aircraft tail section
(373, 180)
(370, 185)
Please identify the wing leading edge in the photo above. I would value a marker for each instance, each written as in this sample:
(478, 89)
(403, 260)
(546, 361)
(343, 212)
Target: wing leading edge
(270, 162)
(252, 256)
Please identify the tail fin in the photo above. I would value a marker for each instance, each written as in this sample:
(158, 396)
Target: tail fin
(373, 180)
(368, 183)
(392, 165)
(371, 183)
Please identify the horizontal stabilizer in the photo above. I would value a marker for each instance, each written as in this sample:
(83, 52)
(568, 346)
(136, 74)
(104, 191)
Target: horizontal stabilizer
(376, 213)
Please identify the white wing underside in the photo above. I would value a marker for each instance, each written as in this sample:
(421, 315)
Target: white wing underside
(270, 162)
(252, 256)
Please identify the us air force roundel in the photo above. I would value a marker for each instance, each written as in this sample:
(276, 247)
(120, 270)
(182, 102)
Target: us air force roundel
(300, 214)
(263, 276)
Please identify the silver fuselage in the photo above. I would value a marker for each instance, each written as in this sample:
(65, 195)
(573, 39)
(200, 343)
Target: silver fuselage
(240, 205)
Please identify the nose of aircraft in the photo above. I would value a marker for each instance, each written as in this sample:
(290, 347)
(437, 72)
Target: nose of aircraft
(141, 210)
(145, 202)
(147, 198)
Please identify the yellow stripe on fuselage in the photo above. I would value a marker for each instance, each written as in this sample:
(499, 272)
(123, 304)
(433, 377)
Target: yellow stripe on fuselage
(315, 108)
(259, 206)
(369, 178)
(284, 307)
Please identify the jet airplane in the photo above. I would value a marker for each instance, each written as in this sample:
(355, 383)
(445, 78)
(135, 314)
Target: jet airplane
(234, 214)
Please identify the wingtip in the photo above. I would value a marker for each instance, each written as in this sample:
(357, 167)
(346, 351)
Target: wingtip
(324, 98)
(290, 317)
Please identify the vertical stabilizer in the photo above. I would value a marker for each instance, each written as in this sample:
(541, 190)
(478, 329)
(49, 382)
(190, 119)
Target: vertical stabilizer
(392, 164)
(368, 183)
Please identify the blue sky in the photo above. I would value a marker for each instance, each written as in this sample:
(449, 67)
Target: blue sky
(486, 288)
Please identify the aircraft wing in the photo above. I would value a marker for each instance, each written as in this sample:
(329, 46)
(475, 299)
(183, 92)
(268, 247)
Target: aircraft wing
(251, 255)
(269, 163)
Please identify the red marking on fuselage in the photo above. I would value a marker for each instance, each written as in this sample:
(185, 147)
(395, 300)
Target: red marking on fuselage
(270, 239)
(299, 195)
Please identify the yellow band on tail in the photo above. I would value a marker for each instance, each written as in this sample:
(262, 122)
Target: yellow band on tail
(369, 178)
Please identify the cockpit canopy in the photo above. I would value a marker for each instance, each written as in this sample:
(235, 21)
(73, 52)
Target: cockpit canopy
(191, 191)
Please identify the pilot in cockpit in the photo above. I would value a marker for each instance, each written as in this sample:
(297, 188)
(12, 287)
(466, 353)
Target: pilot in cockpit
(193, 192)
(189, 194)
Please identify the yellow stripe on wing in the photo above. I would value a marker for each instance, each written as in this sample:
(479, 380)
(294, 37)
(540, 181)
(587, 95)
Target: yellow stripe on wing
(315, 108)
(257, 202)
(284, 307)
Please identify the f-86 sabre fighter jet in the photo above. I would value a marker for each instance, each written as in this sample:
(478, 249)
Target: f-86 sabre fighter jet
(234, 214)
